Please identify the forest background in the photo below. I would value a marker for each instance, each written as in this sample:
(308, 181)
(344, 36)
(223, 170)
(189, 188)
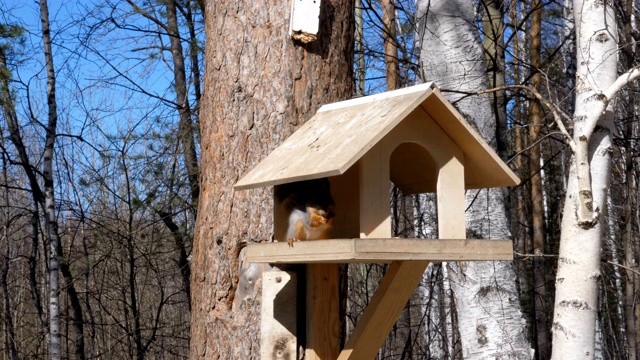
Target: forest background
(100, 175)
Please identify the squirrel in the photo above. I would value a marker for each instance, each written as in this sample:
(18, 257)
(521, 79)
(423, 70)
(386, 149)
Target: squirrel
(310, 208)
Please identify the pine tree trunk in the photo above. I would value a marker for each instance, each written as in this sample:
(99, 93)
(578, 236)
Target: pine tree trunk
(543, 335)
(576, 301)
(259, 86)
(390, 43)
(493, 28)
(5, 256)
(186, 133)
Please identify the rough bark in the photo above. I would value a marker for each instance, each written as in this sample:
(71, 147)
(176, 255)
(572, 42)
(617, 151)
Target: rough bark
(490, 321)
(5, 257)
(493, 28)
(390, 43)
(359, 38)
(186, 134)
(630, 206)
(542, 331)
(521, 226)
(259, 86)
(576, 301)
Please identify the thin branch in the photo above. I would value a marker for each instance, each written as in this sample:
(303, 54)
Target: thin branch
(558, 114)
(534, 144)
(529, 256)
(606, 97)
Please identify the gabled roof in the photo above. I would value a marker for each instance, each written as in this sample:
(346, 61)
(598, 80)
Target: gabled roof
(339, 134)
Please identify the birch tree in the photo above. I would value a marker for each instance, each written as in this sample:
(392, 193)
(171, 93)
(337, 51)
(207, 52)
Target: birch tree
(576, 301)
(451, 54)
(44, 196)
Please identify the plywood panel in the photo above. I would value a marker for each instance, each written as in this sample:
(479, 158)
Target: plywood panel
(278, 315)
(380, 250)
(344, 190)
(484, 168)
(375, 208)
(340, 133)
(333, 139)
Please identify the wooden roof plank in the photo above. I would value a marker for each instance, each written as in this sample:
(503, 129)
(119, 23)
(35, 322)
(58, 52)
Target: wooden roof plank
(333, 139)
(339, 134)
(464, 135)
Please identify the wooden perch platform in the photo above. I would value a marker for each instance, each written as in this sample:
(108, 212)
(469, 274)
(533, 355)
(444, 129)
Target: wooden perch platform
(380, 251)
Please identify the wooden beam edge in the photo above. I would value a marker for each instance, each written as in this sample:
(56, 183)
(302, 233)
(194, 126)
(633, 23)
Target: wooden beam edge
(380, 251)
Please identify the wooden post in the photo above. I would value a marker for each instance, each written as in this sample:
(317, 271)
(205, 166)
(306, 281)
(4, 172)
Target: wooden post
(451, 199)
(323, 315)
(278, 323)
(375, 211)
(402, 277)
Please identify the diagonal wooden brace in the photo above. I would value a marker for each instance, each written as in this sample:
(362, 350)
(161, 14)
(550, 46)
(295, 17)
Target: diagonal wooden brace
(385, 307)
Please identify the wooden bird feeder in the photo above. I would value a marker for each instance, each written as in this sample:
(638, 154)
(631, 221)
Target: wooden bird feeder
(413, 137)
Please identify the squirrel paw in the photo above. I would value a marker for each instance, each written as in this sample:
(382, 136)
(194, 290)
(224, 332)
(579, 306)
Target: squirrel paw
(291, 240)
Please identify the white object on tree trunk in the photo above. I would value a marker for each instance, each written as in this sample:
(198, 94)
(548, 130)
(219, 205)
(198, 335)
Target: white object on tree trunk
(305, 18)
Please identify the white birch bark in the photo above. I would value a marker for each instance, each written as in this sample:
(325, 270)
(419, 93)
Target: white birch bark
(576, 301)
(55, 341)
(490, 321)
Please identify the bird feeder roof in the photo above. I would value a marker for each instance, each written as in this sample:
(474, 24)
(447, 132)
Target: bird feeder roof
(339, 134)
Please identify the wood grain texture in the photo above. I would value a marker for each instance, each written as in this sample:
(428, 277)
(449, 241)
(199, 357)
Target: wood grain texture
(379, 250)
(338, 135)
(323, 315)
(483, 167)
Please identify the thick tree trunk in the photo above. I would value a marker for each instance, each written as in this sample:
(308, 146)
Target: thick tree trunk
(490, 321)
(259, 86)
(576, 301)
